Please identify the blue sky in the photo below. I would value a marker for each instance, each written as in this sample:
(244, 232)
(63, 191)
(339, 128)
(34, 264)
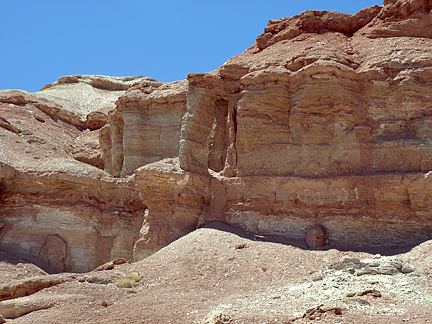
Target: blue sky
(44, 40)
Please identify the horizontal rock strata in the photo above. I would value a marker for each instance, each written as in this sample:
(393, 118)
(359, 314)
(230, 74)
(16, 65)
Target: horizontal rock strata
(326, 120)
(145, 127)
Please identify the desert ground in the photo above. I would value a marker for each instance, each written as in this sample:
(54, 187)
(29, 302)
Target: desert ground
(218, 274)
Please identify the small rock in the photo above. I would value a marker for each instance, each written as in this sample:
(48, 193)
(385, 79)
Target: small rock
(96, 279)
(372, 292)
(348, 264)
(104, 303)
(119, 261)
(317, 276)
(316, 311)
(216, 317)
(110, 265)
(346, 259)
(406, 269)
(96, 120)
(241, 246)
(334, 310)
(315, 237)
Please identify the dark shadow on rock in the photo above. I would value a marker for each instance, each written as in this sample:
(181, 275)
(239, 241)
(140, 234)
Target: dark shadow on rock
(385, 250)
(15, 259)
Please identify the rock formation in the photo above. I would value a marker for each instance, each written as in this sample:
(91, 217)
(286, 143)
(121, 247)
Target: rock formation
(69, 214)
(326, 120)
(145, 127)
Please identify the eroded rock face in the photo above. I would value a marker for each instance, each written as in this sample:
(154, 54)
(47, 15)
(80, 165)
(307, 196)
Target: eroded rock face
(87, 149)
(86, 95)
(322, 103)
(146, 126)
(54, 253)
(177, 204)
(71, 215)
(325, 120)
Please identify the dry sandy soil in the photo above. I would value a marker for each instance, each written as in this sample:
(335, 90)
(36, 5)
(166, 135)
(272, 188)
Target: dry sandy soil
(238, 278)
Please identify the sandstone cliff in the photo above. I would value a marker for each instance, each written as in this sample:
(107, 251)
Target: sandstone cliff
(328, 121)
(70, 214)
(325, 120)
(145, 127)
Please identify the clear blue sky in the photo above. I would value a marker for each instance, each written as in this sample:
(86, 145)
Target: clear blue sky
(166, 39)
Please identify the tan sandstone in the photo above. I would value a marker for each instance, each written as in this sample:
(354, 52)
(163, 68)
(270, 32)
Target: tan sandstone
(325, 120)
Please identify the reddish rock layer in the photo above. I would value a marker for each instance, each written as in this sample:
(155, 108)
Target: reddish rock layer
(326, 120)
(48, 197)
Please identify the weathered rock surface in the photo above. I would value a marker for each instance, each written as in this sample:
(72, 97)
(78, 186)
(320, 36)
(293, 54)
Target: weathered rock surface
(315, 237)
(321, 121)
(146, 126)
(54, 253)
(322, 104)
(86, 95)
(29, 286)
(24, 305)
(326, 120)
(176, 202)
(87, 149)
(215, 317)
(347, 284)
(46, 194)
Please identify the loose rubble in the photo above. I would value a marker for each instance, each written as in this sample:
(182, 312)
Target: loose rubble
(348, 284)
